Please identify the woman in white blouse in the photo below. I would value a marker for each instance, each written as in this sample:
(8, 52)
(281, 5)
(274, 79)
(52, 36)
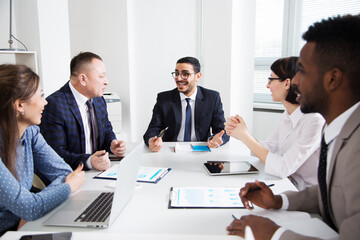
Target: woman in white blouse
(292, 150)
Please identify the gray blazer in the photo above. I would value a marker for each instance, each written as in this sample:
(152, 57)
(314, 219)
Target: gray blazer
(343, 188)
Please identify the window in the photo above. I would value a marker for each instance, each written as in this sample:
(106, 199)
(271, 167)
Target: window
(279, 27)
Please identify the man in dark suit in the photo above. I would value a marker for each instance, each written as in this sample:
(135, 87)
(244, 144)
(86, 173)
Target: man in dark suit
(75, 122)
(328, 81)
(188, 112)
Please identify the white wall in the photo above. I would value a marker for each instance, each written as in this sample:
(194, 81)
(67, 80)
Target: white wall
(160, 32)
(264, 122)
(102, 29)
(42, 25)
(4, 24)
(140, 41)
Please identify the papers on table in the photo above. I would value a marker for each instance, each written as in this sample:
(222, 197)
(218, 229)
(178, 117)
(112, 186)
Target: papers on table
(146, 174)
(204, 197)
(182, 147)
(151, 174)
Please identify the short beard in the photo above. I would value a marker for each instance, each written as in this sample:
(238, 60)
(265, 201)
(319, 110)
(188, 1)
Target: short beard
(319, 106)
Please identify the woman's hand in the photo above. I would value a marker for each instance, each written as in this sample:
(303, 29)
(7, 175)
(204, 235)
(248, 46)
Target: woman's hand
(235, 126)
(21, 223)
(76, 178)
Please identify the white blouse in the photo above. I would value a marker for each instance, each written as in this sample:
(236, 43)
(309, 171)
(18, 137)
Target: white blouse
(294, 148)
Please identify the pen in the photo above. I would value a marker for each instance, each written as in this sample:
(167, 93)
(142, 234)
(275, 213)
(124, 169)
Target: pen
(234, 216)
(256, 189)
(163, 132)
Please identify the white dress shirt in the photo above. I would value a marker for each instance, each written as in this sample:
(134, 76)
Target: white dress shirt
(294, 148)
(332, 130)
(180, 137)
(81, 102)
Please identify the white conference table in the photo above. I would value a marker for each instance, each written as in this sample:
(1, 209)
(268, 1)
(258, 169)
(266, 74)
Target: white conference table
(147, 212)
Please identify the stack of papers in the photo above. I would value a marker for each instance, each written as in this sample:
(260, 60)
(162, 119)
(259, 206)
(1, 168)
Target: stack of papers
(146, 174)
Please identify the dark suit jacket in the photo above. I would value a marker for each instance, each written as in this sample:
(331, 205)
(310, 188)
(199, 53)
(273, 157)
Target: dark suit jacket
(63, 128)
(167, 113)
(343, 189)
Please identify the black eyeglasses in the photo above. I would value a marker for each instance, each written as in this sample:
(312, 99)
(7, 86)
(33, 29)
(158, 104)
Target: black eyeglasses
(271, 79)
(183, 75)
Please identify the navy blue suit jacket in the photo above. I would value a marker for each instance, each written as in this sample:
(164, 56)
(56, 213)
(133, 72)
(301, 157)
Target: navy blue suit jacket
(167, 113)
(63, 128)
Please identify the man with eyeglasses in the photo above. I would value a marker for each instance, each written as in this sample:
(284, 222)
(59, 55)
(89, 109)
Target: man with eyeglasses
(188, 112)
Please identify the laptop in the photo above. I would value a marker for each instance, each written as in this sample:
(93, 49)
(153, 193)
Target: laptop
(98, 209)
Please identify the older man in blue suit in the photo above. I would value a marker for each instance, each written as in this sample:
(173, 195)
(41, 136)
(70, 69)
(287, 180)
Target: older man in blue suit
(188, 112)
(75, 122)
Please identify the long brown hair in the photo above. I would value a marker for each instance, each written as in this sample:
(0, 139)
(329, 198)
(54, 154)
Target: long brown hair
(16, 82)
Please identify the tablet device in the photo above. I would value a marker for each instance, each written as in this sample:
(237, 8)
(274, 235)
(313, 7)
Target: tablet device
(219, 168)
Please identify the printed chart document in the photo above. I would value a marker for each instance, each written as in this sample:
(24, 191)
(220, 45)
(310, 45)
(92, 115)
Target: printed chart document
(146, 174)
(151, 174)
(204, 197)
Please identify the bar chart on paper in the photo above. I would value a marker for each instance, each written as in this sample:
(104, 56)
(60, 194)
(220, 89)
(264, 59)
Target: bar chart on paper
(205, 197)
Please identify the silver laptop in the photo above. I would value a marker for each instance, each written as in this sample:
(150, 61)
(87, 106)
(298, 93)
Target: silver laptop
(95, 209)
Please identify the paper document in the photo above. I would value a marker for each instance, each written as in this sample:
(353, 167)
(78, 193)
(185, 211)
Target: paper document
(183, 147)
(146, 174)
(204, 197)
(152, 174)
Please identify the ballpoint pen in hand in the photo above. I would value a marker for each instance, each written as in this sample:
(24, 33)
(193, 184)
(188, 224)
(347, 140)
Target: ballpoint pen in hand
(258, 188)
(162, 132)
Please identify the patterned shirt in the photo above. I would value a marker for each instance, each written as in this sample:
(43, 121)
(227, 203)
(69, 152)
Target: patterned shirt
(16, 201)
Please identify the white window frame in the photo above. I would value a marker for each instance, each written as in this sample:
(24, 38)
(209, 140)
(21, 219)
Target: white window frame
(291, 46)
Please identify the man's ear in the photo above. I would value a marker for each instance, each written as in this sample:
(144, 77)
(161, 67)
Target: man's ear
(198, 76)
(82, 79)
(333, 79)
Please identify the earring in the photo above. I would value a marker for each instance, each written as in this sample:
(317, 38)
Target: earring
(22, 112)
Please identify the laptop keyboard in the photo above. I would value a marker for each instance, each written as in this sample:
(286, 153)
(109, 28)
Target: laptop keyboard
(98, 210)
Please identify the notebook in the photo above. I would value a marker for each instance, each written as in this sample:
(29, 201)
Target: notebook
(76, 211)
